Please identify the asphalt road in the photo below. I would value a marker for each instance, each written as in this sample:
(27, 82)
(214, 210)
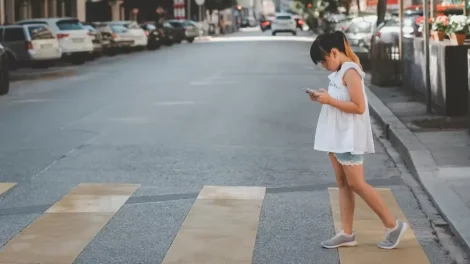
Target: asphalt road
(174, 120)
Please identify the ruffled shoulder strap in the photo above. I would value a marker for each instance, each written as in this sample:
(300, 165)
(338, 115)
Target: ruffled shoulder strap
(348, 65)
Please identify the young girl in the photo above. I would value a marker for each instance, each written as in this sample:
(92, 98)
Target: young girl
(344, 132)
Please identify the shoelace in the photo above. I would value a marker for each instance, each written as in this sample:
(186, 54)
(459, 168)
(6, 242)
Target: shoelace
(387, 236)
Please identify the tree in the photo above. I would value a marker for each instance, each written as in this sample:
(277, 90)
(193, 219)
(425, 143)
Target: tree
(381, 10)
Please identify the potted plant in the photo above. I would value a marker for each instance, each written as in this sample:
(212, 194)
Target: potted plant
(439, 27)
(420, 23)
(458, 29)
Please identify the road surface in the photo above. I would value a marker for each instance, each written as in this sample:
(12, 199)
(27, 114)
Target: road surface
(154, 128)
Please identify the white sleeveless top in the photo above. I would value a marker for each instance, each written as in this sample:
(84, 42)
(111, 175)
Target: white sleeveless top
(341, 132)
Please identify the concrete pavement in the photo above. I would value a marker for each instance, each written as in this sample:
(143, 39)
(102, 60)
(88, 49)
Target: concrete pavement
(177, 121)
(436, 148)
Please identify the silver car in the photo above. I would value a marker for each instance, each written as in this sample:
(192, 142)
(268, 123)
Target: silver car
(359, 33)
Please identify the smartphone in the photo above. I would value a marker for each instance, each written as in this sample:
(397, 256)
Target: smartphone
(312, 92)
(309, 91)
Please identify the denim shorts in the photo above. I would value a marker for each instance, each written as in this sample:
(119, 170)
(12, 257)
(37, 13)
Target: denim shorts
(349, 159)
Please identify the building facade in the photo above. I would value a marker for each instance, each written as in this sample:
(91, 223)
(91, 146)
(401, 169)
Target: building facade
(85, 10)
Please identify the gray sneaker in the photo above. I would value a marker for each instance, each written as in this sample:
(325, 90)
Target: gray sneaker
(340, 240)
(392, 237)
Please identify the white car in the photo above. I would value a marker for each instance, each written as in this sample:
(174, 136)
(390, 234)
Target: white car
(74, 40)
(135, 32)
(29, 44)
(284, 23)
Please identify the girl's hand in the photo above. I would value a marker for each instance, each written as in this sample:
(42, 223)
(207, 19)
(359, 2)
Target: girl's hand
(313, 97)
(323, 97)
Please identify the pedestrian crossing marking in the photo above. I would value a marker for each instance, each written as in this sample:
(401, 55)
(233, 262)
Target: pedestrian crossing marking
(221, 227)
(5, 186)
(60, 234)
(369, 231)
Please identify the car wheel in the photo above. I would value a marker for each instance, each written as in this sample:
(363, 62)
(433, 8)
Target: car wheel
(4, 81)
(12, 64)
(294, 33)
(274, 33)
(191, 40)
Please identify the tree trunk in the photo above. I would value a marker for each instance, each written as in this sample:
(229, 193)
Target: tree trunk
(358, 3)
(381, 9)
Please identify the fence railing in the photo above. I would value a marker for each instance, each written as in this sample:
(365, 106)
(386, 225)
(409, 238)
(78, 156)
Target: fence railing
(386, 66)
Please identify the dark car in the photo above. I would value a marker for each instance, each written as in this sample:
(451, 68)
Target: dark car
(178, 30)
(265, 23)
(4, 74)
(153, 35)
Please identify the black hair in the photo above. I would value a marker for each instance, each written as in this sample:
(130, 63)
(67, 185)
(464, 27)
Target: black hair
(324, 43)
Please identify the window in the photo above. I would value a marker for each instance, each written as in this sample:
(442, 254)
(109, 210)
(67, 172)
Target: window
(132, 26)
(284, 17)
(150, 27)
(176, 24)
(14, 34)
(40, 32)
(118, 28)
(359, 27)
(72, 24)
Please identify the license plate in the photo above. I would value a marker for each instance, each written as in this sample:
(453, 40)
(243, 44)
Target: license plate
(78, 40)
(46, 46)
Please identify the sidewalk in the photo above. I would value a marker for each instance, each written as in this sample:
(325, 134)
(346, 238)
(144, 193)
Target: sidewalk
(435, 148)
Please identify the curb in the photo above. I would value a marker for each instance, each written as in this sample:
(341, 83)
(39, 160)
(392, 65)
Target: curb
(424, 168)
(18, 76)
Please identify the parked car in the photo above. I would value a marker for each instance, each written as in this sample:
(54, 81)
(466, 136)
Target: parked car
(388, 31)
(4, 74)
(135, 32)
(121, 39)
(284, 23)
(74, 40)
(97, 40)
(153, 35)
(359, 34)
(178, 30)
(192, 30)
(29, 45)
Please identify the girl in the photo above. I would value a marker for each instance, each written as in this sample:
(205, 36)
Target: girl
(344, 132)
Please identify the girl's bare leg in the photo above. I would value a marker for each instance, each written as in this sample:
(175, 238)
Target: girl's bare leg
(357, 183)
(346, 196)
(345, 238)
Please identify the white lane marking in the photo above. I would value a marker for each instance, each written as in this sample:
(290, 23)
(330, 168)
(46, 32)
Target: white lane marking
(174, 103)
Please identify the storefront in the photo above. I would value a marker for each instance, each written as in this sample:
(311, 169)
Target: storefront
(145, 10)
(15, 10)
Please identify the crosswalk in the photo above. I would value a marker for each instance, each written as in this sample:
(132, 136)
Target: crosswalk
(221, 227)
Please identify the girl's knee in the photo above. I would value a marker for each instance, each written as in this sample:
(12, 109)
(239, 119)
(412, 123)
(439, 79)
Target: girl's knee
(357, 186)
(341, 182)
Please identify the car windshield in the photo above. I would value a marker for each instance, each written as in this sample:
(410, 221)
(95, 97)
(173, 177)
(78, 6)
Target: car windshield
(132, 26)
(150, 27)
(283, 17)
(359, 27)
(176, 24)
(40, 32)
(72, 24)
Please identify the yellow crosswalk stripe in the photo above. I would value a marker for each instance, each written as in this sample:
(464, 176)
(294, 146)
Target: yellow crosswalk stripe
(5, 186)
(221, 227)
(60, 234)
(369, 231)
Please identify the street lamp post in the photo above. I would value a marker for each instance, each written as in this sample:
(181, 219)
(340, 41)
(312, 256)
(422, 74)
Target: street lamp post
(426, 55)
